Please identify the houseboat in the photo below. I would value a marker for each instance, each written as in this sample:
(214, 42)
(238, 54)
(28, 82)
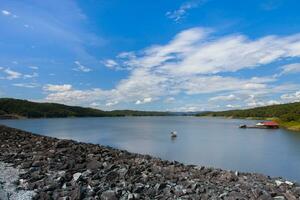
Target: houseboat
(268, 124)
(265, 125)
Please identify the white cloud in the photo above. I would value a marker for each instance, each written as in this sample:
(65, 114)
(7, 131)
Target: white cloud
(194, 107)
(57, 88)
(169, 100)
(291, 97)
(81, 67)
(232, 106)
(8, 13)
(77, 97)
(210, 84)
(256, 100)
(11, 74)
(34, 67)
(196, 51)
(230, 97)
(111, 103)
(181, 12)
(26, 26)
(26, 85)
(192, 63)
(262, 103)
(5, 12)
(110, 63)
(291, 68)
(145, 100)
(33, 75)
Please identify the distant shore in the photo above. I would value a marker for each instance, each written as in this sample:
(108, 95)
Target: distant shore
(55, 168)
(291, 126)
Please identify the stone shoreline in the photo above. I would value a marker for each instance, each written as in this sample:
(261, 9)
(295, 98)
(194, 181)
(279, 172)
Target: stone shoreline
(65, 169)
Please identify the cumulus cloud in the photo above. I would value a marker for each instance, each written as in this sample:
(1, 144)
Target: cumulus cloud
(230, 97)
(77, 97)
(110, 63)
(255, 101)
(193, 63)
(57, 88)
(293, 97)
(5, 12)
(181, 12)
(232, 106)
(262, 103)
(33, 75)
(111, 103)
(8, 13)
(196, 51)
(81, 68)
(169, 100)
(145, 100)
(26, 85)
(291, 68)
(34, 67)
(10, 74)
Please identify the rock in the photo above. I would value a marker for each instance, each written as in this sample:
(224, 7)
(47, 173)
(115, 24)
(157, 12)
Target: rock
(122, 172)
(76, 176)
(160, 186)
(62, 144)
(76, 193)
(223, 194)
(109, 195)
(289, 196)
(26, 164)
(296, 191)
(278, 182)
(228, 176)
(36, 164)
(93, 165)
(279, 198)
(139, 187)
(289, 183)
(130, 196)
(112, 176)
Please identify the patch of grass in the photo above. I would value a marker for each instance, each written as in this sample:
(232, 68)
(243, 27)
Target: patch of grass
(293, 125)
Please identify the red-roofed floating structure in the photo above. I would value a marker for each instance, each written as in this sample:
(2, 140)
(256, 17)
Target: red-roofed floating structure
(270, 124)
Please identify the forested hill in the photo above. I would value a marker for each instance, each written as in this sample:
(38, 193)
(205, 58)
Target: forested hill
(16, 108)
(286, 114)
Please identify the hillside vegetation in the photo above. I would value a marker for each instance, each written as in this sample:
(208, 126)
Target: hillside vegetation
(288, 115)
(16, 108)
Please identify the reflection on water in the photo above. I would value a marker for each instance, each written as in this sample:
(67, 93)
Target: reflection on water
(213, 142)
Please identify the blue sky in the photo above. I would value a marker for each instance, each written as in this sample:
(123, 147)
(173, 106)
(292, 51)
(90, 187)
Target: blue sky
(140, 54)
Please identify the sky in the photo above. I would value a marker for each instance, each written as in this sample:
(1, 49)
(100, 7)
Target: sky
(170, 55)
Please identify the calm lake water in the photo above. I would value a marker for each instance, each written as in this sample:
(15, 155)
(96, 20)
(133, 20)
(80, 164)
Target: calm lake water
(215, 142)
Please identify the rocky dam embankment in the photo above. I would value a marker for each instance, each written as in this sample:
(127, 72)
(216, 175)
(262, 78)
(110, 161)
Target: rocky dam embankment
(50, 168)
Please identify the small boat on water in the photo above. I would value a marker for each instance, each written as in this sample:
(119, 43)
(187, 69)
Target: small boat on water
(259, 124)
(173, 134)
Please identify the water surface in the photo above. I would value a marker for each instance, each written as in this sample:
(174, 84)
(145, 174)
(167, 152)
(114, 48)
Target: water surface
(215, 142)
